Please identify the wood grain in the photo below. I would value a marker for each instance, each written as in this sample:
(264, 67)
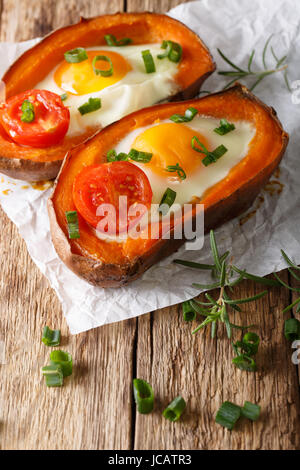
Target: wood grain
(94, 409)
(200, 370)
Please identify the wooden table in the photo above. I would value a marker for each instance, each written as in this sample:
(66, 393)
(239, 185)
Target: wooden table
(95, 409)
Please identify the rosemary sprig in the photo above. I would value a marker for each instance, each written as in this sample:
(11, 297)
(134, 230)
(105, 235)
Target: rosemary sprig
(293, 289)
(217, 310)
(238, 73)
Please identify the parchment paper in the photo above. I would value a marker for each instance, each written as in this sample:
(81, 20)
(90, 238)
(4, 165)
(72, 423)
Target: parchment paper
(236, 27)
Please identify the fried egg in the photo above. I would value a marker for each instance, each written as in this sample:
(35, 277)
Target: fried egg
(128, 89)
(170, 143)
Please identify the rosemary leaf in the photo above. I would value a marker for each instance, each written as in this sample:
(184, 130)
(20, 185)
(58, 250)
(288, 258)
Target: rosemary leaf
(289, 261)
(294, 289)
(214, 250)
(247, 299)
(289, 307)
(258, 279)
(192, 264)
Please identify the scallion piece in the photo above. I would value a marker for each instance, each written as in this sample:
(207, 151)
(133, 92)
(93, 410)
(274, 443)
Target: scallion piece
(142, 157)
(53, 375)
(251, 340)
(73, 227)
(175, 409)
(143, 396)
(111, 156)
(51, 337)
(188, 116)
(224, 128)
(211, 157)
(112, 41)
(103, 73)
(250, 411)
(64, 96)
(173, 51)
(91, 105)
(228, 414)
(64, 360)
(148, 61)
(177, 169)
(76, 55)
(188, 312)
(292, 329)
(244, 362)
(28, 113)
(167, 201)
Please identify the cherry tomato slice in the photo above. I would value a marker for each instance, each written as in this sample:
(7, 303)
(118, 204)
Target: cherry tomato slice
(98, 185)
(49, 125)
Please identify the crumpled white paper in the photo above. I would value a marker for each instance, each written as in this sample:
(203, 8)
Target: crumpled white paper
(236, 27)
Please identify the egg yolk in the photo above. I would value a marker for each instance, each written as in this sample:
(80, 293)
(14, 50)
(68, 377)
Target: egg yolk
(170, 144)
(80, 78)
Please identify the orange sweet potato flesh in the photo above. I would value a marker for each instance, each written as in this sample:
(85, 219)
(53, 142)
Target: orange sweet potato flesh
(35, 64)
(114, 264)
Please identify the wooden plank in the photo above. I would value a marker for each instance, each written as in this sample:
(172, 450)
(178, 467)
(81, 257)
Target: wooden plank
(93, 410)
(199, 369)
(26, 19)
(295, 295)
(153, 5)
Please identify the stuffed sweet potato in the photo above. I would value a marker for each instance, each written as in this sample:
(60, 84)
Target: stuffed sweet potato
(228, 178)
(78, 62)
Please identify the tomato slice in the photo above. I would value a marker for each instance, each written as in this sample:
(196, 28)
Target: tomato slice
(49, 125)
(98, 185)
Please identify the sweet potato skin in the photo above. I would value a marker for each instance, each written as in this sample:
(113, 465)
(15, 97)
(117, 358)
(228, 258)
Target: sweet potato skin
(19, 77)
(104, 274)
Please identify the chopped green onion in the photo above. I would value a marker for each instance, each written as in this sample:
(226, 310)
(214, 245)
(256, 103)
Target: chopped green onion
(111, 156)
(250, 411)
(122, 156)
(242, 348)
(292, 329)
(64, 96)
(177, 168)
(188, 116)
(228, 414)
(73, 228)
(64, 360)
(173, 51)
(92, 105)
(28, 114)
(143, 396)
(244, 362)
(112, 41)
(76, 55)
(51, 337)
(142, 157)
(103, 73)
(148, 61)
(175, 409)
(189, 313)
(224, 128)
(168, 200)
(211, 157)
(53, 375)
(251, 340)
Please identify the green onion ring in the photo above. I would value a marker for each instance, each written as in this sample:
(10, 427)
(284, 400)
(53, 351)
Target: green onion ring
(143, 396)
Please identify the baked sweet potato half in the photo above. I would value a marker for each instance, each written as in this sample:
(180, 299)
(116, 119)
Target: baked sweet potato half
(115, 263)
(196, 64)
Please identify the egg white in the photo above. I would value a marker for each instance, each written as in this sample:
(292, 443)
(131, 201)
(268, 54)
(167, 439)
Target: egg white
(136, 90)
(237, 144)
